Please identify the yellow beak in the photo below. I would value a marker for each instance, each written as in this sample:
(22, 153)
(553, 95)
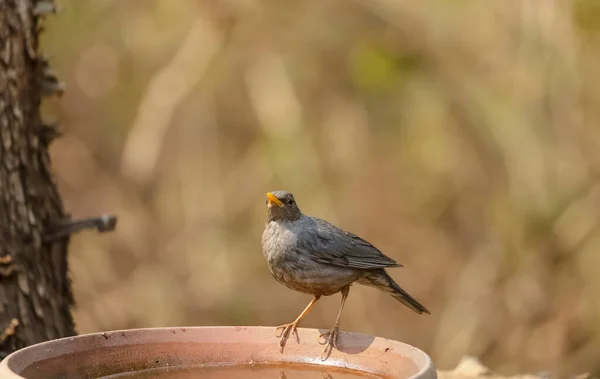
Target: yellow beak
(273, 199)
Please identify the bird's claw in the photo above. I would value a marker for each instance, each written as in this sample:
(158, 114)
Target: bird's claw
(330, 341)
(285, 333)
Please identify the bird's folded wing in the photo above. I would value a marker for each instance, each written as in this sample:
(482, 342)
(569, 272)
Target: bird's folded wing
(325, 243)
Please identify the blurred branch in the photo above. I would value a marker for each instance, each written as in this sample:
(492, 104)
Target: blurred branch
(166, 90)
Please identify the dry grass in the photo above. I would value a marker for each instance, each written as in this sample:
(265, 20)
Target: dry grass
(461, 138)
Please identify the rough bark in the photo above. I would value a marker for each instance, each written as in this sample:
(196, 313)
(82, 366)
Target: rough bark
(35, 293)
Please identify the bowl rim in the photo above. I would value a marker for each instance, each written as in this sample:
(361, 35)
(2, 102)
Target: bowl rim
(53, 348)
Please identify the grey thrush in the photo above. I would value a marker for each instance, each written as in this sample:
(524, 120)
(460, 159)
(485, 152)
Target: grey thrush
(313, 256)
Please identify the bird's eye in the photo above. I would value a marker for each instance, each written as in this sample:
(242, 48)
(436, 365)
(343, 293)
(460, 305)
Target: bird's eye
(290, 201)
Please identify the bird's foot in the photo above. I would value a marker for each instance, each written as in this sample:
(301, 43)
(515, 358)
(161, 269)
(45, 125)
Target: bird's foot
(286, 329)
(329, 339)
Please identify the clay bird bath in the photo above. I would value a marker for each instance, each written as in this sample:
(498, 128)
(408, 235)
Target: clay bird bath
(214, 352)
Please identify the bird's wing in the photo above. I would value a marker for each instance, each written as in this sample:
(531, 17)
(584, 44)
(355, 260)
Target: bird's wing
(326, 243)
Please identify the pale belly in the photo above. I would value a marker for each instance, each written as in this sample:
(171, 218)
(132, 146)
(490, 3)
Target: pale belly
(304, 275)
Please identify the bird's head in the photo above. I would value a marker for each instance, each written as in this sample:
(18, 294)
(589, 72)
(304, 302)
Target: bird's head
(281, 206)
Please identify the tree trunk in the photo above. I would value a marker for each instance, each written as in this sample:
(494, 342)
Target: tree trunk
(35, 292)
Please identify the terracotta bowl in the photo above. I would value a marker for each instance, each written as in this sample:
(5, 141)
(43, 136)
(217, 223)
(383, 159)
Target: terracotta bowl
(214, 352)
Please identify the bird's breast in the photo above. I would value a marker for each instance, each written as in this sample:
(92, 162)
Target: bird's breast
(296, 269)
(278, 241)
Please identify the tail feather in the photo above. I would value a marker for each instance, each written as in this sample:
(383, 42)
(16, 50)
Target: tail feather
(381, 280)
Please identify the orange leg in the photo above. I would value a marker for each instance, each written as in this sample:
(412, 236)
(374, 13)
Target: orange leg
(330, 337)
(286, 329)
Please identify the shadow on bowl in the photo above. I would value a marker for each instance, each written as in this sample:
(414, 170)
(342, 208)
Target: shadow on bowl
(214, 352)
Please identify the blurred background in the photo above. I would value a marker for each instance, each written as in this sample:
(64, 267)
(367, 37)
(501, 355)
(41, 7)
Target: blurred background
(461, 138)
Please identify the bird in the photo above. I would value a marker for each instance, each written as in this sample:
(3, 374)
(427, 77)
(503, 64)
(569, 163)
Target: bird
(310, 255)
